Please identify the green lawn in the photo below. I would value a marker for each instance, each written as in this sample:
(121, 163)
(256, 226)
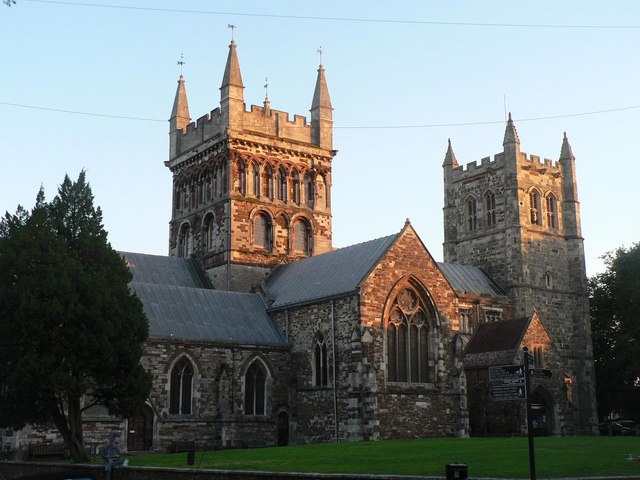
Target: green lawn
(486, 457)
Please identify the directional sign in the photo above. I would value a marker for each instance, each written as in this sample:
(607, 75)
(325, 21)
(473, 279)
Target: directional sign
(508, 392)
(507, 373)
(540, 373)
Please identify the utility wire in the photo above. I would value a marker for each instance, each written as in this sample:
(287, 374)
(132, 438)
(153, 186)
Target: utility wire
(340, 19)
(354, 127)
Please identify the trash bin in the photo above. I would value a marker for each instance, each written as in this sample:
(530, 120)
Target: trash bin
(191, 457)
(456, 470)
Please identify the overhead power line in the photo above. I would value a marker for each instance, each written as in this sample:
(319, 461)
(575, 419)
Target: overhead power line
(341, 19)
(361, 127)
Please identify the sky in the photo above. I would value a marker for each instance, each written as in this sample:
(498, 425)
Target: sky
(90, 85)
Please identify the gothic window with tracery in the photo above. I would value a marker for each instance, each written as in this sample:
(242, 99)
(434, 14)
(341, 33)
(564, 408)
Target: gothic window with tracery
(408, 339)
(320, 362)
(534, 207)
(490, 208)
(472, 214)
(181, 387)
(552, 211)
(465, 315)
(255, 386)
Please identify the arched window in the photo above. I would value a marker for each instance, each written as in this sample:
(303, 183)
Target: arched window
(552, 211)
(208, 232)
(215, 182)
(472, 214)
(262, 231)
(302, 237)
(534, 207)
(490, 208)
(296, 187)
(185, 241)
(201, 190)
(320, 362)
(181, 387)
(408, 339)
(256, 180)
(176, 197)
(308, 190)
(282, 184)
(255, 384)
(208, 192)
(268, 178)
(242, 178)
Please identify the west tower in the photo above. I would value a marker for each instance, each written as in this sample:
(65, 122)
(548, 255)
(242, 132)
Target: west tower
(251, 189)
(518, 217)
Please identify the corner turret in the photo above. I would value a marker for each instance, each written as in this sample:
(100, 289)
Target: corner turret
(232, 88)
(570, 204)
(322, 113)
(180, 117)
(450, 157)
(511, 142)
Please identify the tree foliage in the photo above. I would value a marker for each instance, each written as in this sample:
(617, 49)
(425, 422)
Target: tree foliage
(615, 311)
(72, 331)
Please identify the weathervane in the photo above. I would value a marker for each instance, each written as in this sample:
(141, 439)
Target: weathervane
(232, 27)
(320, 51)
(181, 62)
(266, 87)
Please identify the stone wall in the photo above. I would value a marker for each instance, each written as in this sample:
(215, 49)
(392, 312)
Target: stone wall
(217, 418)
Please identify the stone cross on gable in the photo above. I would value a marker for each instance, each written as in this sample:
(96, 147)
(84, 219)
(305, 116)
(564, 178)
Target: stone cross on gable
(320, 51)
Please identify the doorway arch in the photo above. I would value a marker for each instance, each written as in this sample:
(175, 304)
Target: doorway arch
(140, 430)
(542, 408)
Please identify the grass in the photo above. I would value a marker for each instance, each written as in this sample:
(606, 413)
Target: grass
(486, 457)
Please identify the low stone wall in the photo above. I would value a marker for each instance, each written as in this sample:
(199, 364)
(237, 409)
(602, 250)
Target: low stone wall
(13, 470)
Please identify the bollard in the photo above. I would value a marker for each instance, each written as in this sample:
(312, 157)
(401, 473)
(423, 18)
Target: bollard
(456, 470)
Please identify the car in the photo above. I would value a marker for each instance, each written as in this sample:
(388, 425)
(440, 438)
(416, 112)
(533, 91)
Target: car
(618, 427)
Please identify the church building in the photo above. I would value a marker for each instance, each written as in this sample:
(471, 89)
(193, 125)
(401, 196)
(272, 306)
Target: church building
(262, 333)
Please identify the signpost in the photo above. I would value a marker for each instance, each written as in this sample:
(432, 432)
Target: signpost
(507, 373)
(512, 382)
(508, 392)
(540, 373)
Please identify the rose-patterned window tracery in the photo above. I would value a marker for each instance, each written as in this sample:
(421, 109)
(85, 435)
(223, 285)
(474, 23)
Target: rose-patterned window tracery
(408, 337)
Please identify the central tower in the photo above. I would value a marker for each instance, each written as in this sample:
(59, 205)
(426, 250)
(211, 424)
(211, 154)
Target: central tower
(251, 189)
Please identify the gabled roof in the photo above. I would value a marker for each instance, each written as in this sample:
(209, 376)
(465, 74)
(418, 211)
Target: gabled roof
(203, 314)
(180, 303)
(469, 279)
(495, 343)
(324, 276)
(161, 270)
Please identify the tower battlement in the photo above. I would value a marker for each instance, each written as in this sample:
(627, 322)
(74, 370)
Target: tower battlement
(259, 120)
(525, 161)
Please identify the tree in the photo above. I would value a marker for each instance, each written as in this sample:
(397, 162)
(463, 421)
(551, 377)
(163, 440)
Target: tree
(615, 310)
(72, 332)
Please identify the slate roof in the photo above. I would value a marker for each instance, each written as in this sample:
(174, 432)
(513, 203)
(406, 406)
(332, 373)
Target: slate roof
(204, 314)
(495, 342)
(180, 302)
(324, 276)
(181, 272)
(466, 278)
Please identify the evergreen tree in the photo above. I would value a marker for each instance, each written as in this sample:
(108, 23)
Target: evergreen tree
(72, 331)
(615, 306)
